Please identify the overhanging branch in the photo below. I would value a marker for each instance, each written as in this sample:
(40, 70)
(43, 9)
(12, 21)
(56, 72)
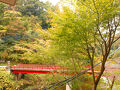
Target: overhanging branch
(116, 39)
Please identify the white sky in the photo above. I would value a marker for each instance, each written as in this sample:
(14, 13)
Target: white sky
(52, 1)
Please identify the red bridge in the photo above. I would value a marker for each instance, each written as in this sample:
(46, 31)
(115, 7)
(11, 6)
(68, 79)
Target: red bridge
(49, 69)
(40, 69)
(45, 69)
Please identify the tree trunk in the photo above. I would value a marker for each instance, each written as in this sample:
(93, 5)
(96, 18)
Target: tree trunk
(101, 71)
(112, 83)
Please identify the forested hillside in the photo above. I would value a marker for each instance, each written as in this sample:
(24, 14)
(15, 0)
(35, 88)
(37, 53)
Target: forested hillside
(74, 34)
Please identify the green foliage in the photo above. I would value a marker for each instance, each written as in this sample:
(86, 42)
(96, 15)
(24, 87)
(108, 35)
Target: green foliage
(36, 8)
(32, 50)
(74, 31)
(77, 29)
(71, 31)
(20, 27)
(6, 81)
(2, 8)
(17, 28)
(83, 83)
(86, 30)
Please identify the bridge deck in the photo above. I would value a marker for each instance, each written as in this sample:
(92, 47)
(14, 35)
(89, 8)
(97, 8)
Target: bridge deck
(41, 69)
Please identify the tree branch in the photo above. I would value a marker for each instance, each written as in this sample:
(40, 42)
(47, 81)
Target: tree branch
(116, 39)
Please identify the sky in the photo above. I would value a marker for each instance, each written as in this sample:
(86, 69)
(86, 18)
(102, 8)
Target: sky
(52, 1)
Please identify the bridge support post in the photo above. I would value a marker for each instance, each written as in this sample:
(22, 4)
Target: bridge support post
(9, 67)
(68, 86)
(19, 76)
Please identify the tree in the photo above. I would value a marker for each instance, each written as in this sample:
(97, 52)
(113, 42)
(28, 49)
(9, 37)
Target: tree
(2, 8)
(106, 25)
(36, 8)
(6, 81)
(92, 26)
(13, 25)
